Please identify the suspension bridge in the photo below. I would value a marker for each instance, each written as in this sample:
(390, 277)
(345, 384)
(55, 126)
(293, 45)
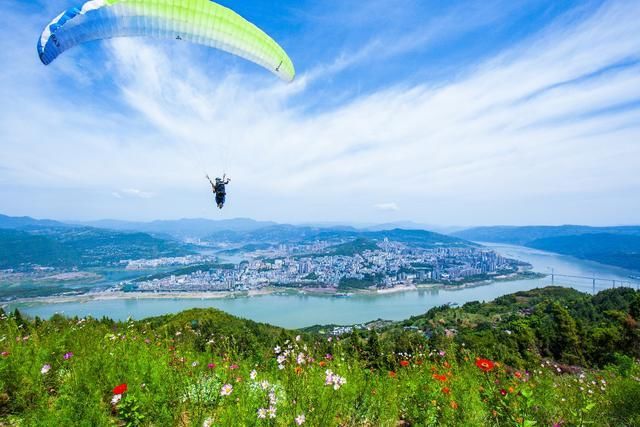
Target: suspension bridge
(593, 282)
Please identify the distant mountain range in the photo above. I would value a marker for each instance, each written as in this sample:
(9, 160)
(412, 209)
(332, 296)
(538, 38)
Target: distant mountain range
(618, 246)
(23, 222)
(524, 235)
(182, 228)
(27, 241)
(283, 233)
(611, 245)
(68, 247)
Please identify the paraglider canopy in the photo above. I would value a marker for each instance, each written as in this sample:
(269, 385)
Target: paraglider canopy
(198, 21)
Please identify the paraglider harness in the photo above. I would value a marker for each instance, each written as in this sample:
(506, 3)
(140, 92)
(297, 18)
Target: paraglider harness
(219, 189)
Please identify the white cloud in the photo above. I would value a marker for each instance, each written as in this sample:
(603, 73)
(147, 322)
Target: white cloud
(393, 207)
(524, 127)
(132, 192)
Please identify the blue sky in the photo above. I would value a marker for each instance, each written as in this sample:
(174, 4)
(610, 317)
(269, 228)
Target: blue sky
(451, 113)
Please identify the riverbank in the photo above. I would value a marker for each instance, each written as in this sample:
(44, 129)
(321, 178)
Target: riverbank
(109, 295)
(299, 308)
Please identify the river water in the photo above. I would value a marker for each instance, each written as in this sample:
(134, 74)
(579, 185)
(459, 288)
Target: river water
(295, 311)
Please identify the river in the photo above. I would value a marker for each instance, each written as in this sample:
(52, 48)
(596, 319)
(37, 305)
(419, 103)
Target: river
(295, 311)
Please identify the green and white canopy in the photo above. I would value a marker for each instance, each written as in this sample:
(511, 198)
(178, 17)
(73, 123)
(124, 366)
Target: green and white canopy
(197, 21)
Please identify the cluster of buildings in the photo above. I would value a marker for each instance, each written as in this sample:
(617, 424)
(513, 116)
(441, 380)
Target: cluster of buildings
(387, 266)
(150, 264)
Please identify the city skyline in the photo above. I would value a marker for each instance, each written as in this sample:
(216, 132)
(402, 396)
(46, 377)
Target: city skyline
(471, 113)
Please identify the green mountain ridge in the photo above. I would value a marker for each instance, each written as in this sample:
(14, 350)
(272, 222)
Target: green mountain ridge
(79, 247)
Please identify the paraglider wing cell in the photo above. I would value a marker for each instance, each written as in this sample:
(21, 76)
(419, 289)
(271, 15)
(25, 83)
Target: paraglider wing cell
(197, 21)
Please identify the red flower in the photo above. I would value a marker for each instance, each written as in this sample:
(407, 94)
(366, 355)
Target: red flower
(518, 374)
(120, 389)
(233, 367)
(439, 377)
(485, 364)
(446, 390)
(404, 363)
(392, 374)
(503, 392)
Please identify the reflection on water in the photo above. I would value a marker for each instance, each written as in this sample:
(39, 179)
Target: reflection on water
(296, 311)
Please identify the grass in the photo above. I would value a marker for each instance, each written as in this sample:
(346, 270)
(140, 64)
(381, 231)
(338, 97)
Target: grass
(176, 368)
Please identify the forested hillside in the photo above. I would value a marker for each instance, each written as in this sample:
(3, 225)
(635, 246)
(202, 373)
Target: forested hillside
(79, 247)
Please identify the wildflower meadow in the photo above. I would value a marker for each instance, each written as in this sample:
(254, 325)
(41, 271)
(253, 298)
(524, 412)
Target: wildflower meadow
(206, 368)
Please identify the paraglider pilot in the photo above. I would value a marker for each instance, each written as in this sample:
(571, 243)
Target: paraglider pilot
(219, 189)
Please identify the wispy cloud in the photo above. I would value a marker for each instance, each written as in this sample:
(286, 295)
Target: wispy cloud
(393, 207)
(547, 128)
(133, 192)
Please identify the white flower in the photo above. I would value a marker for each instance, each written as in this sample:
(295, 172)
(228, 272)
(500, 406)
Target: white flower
(226, 390)
(272, 412)
(207, 423)
(281, 367)
(115, 399)
(298, 338)
(281, 359)
(300, 419)
(45, 368)
(194, 364)
(253, 374)
(264, 385)
(300, 359)
(334, 380)
(277, 350)
(262, 413)
(272, 398)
